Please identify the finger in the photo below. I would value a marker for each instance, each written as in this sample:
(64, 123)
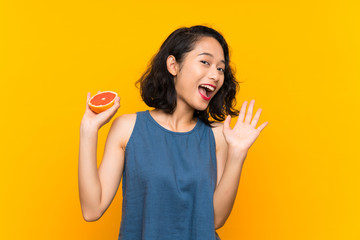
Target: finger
(256, 118)
(242, 113)
(262, 126)
(114, 107)
(116, 102)
(106, 115)
(250, 111)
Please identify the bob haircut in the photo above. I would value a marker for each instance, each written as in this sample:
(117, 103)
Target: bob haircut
(157, 86)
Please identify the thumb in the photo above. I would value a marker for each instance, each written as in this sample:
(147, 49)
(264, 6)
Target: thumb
(117, 101)
(116, 104)
(227, 122)
(88, 96)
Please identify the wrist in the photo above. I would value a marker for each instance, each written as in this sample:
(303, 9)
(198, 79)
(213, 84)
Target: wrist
(86, 128)
(237, 153)
(237, 149)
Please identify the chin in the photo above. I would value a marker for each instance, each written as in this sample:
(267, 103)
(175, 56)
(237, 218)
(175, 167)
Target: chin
(201, 108)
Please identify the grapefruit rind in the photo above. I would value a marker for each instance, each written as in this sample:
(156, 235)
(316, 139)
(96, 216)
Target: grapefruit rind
(101, 108)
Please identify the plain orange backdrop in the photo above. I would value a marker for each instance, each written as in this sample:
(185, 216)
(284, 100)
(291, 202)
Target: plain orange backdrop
(298, 59)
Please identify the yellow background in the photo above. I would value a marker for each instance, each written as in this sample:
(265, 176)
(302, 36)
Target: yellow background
(298, 59)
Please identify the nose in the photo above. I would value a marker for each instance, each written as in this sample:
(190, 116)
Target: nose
(214, 74)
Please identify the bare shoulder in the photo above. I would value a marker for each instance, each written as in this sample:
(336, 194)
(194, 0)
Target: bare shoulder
(124, 125)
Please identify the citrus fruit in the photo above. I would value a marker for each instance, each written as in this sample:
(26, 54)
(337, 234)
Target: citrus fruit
(102, 101)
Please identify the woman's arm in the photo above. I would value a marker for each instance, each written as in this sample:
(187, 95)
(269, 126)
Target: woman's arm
(98, 187)
(225, 192)
(228, 176)
(238, 142)
(89, 182)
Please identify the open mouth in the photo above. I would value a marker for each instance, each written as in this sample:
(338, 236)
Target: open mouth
(206, 91)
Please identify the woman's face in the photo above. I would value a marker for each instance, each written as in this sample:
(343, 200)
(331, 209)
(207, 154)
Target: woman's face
(204, 65)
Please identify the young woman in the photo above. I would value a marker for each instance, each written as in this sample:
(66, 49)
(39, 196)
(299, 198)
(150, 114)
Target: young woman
(180, 169)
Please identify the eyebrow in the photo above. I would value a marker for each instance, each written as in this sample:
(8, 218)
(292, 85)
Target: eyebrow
(209, 54)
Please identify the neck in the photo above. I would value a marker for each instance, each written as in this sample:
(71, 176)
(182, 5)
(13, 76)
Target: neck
(181, 120)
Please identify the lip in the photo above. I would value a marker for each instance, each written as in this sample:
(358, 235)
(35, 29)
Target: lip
(204, 97)
(209, 85)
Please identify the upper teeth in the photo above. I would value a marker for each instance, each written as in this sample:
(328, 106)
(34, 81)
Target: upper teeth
(208, 87)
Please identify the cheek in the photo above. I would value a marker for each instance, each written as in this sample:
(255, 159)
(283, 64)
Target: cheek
(194, 71)
(221, 84)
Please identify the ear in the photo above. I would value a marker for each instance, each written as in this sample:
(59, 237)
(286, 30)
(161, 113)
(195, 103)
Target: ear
(172, 65)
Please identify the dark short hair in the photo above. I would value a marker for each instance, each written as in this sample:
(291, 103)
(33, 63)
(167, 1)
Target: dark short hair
(157, 87)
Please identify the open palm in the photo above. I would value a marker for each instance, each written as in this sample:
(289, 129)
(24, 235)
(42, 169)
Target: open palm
(244, 134)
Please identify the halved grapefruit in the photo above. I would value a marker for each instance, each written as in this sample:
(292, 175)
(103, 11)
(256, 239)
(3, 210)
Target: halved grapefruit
(102, 101)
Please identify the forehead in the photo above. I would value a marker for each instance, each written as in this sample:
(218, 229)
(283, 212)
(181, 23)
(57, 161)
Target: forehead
(208, 45)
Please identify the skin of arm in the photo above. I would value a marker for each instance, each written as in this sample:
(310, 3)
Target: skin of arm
(89, 182)
(237, 142)
(229, 166)
(98, 186)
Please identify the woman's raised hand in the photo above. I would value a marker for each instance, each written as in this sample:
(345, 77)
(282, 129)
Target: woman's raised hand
(244, 134)
(97, 120)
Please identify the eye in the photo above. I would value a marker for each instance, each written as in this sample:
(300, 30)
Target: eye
(221, 69)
